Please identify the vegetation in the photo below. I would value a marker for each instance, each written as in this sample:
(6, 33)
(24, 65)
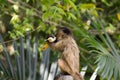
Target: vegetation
(95, 25)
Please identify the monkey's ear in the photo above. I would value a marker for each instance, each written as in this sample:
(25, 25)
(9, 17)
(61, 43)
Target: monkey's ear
(66, 30)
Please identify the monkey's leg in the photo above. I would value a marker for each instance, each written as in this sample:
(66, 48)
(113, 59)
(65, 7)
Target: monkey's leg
(65, 68)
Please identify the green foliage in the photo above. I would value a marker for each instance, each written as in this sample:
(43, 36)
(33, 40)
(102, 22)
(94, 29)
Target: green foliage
(45, 16)
(108, 56)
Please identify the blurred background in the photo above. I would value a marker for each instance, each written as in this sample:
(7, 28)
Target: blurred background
(24, 25)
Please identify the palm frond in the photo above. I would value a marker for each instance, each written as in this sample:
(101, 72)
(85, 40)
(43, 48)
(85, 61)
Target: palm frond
(17, 59)
(28, 56)
(34, 56)
(22, 59)
(24, 62)
(109, 61)
(11, 71)
(108, 58)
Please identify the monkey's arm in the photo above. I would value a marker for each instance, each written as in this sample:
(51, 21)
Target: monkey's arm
(57, 45)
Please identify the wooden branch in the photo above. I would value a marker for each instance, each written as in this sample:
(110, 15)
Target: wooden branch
(63, 77)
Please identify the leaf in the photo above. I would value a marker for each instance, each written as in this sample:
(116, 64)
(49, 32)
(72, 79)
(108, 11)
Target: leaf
(87, 6)
(27, 1)
(61, 11)
(29, 12)
(72, 4)
(94, 12)
(42, 26)
(107, 61)
(17, 59)
(12, 35)
(29, 59)
(16, 8)
(44, 8)
(46, 16)
(106, 2)
(71, 16)
(110, 29)
(35, 56)
(19, 33)
(118, 16)
(22, 58)
(8, 58)
(15, 19)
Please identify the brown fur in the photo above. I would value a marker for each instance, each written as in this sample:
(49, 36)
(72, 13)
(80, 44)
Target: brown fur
(69, 60)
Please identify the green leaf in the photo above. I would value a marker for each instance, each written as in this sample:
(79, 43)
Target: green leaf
(29, 12)
(19, 33)
(110, 29)
(87, 6)
(46, 16)
(72, 4)
(27, 1)
(16, 8)
(71, 16)
(15, 19)
(61, 11)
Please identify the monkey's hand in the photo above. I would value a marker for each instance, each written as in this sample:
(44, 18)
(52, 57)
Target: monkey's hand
(49, 41)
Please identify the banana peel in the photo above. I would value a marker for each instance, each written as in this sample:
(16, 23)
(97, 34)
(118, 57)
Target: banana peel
(45, 46)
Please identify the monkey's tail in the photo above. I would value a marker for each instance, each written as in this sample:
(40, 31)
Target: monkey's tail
(78, 76)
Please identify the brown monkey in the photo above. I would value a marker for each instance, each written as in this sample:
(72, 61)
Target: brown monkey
(69, 59)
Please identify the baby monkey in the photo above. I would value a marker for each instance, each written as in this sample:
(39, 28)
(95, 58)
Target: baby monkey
(64, 42)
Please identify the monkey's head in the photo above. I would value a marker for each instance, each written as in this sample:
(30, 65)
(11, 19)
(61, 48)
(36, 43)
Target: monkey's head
(63, 32)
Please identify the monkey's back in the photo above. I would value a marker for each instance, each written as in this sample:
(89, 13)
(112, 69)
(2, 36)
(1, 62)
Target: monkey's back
(71, 53)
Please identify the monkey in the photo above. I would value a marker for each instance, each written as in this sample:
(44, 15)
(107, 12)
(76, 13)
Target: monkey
(69, 58)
